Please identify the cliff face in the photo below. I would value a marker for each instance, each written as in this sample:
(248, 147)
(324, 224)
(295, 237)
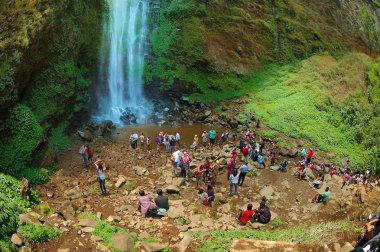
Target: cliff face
(212, 44)
(49, 52)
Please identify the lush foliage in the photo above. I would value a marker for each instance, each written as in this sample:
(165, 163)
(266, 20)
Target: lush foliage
(34, 175)
(221, 240)
(11, 205)
(23, 134)
(38, 233)
(306, 100)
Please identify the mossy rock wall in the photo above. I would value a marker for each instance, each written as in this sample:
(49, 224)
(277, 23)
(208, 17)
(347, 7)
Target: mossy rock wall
(49, 52)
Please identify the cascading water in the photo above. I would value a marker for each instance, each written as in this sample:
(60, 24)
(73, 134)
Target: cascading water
(125, 40)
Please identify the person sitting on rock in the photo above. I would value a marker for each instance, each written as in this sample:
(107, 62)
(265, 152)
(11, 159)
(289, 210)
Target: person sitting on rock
(317, 183)
(324, 197)
(162, 203)
(262, 214)
(346, 179)
(210, 194)
(283, 166)
(246, 215)
(147, 206)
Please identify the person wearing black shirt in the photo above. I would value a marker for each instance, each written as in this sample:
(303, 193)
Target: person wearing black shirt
(162, 201)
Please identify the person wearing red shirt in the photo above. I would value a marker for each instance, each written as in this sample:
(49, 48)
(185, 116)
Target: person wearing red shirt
(309, 156)
(246, 215)
(244, 150)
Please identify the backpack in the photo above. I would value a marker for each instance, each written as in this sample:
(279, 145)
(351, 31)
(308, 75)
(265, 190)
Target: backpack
(161, 212)
(81, 150)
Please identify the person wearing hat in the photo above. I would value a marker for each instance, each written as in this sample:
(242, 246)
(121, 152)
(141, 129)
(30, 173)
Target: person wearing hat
(262, 214)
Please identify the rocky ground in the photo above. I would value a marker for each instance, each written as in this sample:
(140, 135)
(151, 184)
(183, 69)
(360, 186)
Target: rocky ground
(72, 192)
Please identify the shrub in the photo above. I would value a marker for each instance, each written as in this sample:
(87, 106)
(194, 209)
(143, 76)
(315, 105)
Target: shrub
(106, 231)
(24, 132)
(39, 233)
(34, 175)
(47, 210)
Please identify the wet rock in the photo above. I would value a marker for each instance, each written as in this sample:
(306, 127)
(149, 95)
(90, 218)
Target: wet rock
(245, 245)
(88, 223)
(15, 239)
(120, 181)
(123, 242)
(128, 117)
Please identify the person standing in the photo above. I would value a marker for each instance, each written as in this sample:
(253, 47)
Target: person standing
(245, 153)
(243, 172)
(142, 140)
(204, 138)
(90, 153)
(309, 156)
(212, 134)
(195, 143)
(100, 166)
(260, 160)
(172, 143)
(148, 143)
(185, 164)
(158, 143)
(83, 152)
(234, 180)
(178, 139)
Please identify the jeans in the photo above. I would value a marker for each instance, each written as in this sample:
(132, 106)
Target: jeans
(175, 171)
(210, 200)
(236, 188)
(102, 183)
(85, 160)
(241, 178)
(172, 148)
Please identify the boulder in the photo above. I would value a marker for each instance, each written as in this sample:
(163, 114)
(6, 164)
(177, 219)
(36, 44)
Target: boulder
(88, 230)
(140, 171)
(123, 242)
(28, 218)
(267, 192)
(251, 245)
(86, 135)
(153, 247)
(96, 238)
(309, 173)
(172, 189)
(347, 247)
(120, 181)
(88, 223)
(15, 239)
(363, 195)
(274, 167)
(327, 178)
(285, 184)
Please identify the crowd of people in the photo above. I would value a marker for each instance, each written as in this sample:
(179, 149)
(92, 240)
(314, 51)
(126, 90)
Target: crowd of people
(251, 151)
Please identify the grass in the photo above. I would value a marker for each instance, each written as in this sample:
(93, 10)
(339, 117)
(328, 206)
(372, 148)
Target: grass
(47, 210)
(130, 185)
(181, 220)
(220, 240)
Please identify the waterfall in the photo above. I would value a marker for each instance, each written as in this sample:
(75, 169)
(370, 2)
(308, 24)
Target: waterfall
(124, 43)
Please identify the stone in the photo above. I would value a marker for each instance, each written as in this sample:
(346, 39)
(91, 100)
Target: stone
(208, 223)
(309, 173)
(226, 208)
(363, 195)
(256, 225)
(88, 230)
(25, 249)
(140, 171)
(123, 242)
(120, 181)
(96, 238)
(176, 211)
(274, 167)
(347, 247)
(172, 189)
(153, 247)
(50, 195)
(15, 239)
(285, 184)
(183, 228)
(86, 135)
(195, 218)
(63, 250)
(327, 178)
(267, 192)
(88, 223)
(99, 215)
(28, 218)
(252, 245)
(144, 235)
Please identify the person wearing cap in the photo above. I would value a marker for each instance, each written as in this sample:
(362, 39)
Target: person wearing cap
(262, 214)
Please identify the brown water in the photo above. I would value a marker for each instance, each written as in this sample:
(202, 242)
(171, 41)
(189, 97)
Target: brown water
(186, 132)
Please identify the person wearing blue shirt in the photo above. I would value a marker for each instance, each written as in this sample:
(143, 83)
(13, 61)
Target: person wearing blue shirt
(212, 134)
(243, 172)
(260, 159)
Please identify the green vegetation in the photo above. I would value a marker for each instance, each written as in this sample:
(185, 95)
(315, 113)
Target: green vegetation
(38, 233)
(47, 210)
(106, 231)
(221, 240)
(11, 204)
(130, 185)
(34, 175)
